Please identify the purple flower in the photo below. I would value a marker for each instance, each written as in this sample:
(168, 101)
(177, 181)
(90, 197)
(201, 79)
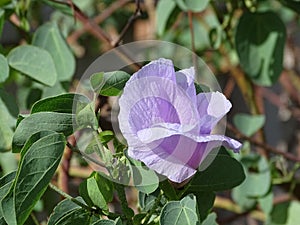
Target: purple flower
(166, 125)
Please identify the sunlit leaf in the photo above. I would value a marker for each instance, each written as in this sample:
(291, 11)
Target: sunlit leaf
(59, 122)
(69, 213)
(180, 212)
(39, 161)
(35, 62)
(163, 12)
(4, 72)
(49, 38)
(5, 184)
(144, 179)
(110, 83)
(97, 191)
(248, 124)
(210, 220)
(8, 114)
(65, 103)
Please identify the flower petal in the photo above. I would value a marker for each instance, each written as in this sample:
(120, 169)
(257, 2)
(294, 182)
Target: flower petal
(185, 79)
(158, 100)
(163, 68)
(164, 130)
(163, 164)
(178, 156)
(211, 107)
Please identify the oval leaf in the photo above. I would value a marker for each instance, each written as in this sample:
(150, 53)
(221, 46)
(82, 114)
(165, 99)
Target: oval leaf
(163, 11)
(260, 40)
(180, 212)
(97, 191)
(35, 62)
(8, 110)
(5, 184)
(222, 174)
(257, 183)
(144, 179)
(109, 84)
(59, 122)
(4, 72)
(67, 212)
(49, 38)
(38, 164)
(248, 124)
(61, 103)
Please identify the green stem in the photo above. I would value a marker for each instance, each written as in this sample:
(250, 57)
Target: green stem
(34, 219)
(67, 196)
(110, 215)
(153, 208)
(74, 149)
(128, 212)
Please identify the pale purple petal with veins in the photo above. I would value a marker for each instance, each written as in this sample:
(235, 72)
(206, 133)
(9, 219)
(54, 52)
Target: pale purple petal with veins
(166, 125)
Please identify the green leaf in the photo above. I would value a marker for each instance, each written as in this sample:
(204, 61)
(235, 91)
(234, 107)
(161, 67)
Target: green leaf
(59, 122)
(97, 191)
(2, 19)
(168, 190)
(205, 202)
(266, 203)
(201, 88)
(163, 11)
(5, 184)
(192, 5)
(106, 136)
(49, 38)
(110, 83)
(248, 124)
(286, 213)
(258, 176)
(244, 201)
(104, 222)
(65, 9)
(4, 72)
(144, 179)
(87, 117)
(56, 89)
(146, 201)
(8, 113)
(65, 211)
(65, 103)
(180, 212)
(210, 220)
(260, 40)
(35, 62)
(222, 174)
(39, 161)
(8, 162)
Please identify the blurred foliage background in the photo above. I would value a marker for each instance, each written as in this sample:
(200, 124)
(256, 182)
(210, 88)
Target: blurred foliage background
(252, 46)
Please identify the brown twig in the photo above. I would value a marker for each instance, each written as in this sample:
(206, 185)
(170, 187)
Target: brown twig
(261, 144)
(136, 14)
(63, 175)
(288, 85)
(275, 100)
(99, 33)
(98, 19)
(229, 87)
